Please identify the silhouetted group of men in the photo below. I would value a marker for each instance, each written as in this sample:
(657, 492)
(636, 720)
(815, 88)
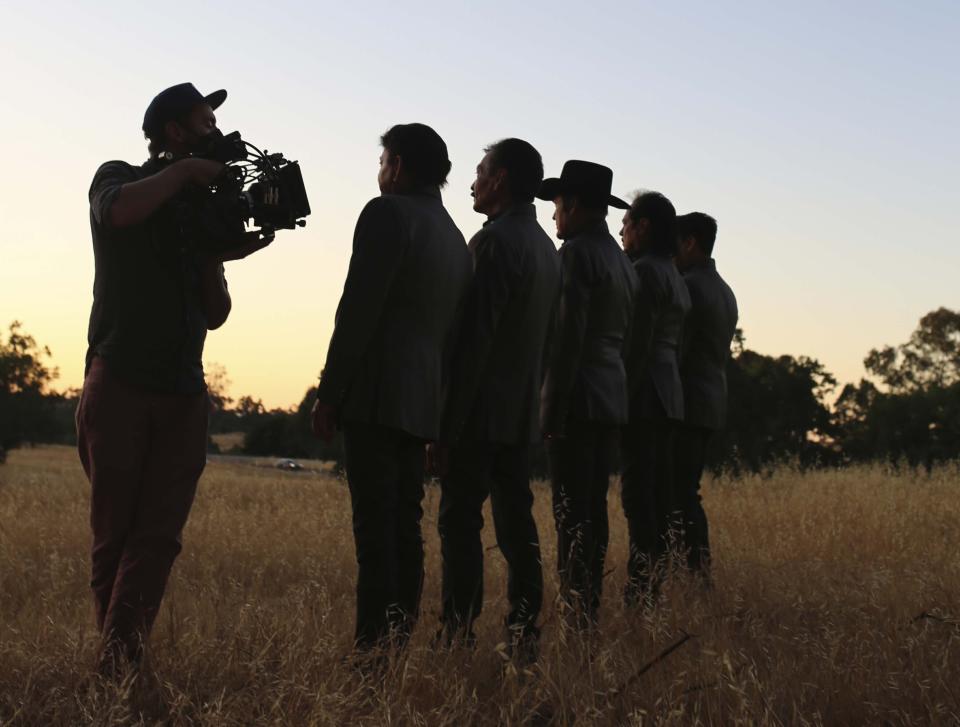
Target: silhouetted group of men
(487, 348)
(470, 353)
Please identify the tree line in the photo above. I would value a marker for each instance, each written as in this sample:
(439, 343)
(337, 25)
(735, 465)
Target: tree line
(782, 408)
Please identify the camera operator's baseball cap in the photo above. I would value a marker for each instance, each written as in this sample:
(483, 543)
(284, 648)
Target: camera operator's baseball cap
(175, 102)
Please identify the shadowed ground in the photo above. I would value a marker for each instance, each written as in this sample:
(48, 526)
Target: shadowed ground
(837, 602)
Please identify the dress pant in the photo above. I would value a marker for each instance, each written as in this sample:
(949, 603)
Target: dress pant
(476, 470)
(580, 467)
(143, 453)
(691, 448)
(649, 501)
(385, 470)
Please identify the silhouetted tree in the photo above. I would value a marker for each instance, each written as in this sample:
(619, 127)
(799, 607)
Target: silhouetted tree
(218, 387)
(223, 417)
(931, 358)
(916, 417)
(777, 412)
(919, 428)
(248, 407)
(26, 414)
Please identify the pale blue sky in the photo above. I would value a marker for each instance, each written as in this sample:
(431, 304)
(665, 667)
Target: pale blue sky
(822, 136)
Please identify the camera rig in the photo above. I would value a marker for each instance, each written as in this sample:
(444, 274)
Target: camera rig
(255, 185)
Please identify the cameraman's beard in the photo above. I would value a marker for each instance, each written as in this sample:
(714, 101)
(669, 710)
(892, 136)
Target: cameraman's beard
(201, 145)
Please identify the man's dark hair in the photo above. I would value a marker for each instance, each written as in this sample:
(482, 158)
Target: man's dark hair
(523, 165)
(662, 217)
(423, 152)
(156, 140)
(157, 137)
(154, 144)
(701, 227)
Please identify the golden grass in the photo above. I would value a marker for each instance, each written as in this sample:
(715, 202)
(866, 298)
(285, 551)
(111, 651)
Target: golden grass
(820, 577)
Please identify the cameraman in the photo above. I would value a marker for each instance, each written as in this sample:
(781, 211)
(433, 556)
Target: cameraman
(142, 417)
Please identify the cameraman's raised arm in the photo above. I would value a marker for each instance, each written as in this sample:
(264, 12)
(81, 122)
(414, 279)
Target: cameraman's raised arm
(120, 201)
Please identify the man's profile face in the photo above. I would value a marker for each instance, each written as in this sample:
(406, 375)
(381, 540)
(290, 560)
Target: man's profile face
(484, 189)
(628, 233)
(561, 216)
(201, 121)
(190, 132)
(389, 168)
(686, 251)
(634, 234)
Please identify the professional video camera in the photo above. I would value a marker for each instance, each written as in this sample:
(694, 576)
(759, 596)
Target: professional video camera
(254, 185)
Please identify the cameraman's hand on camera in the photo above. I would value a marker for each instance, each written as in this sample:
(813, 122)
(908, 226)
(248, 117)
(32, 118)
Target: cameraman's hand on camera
(324, 421)
(202, 172)
(249, 243)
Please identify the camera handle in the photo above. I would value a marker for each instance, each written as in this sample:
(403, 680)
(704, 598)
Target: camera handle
(268, 233)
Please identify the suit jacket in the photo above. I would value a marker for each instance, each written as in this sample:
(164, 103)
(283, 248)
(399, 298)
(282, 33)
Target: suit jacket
(653, 366)
(408, 274)
(586, 379)
(497, 371)
(706, 346)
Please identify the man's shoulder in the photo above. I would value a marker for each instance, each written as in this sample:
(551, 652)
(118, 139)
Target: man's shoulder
(483, 235)
(655, 268)
(721, 281)
(578, 248)
(660, 264)
(700, 286)
(385, 204)
(589, 244)
(513, 233)
(708, 288)
(517, 220)
(599, 258)
(727, 291)
(700, 277)
(120, 164)
(379, 219)
(408, 203)
(704, 279)
(407, 206)
(531, 233)
(410, 211)
(107, 182)
(118, 169)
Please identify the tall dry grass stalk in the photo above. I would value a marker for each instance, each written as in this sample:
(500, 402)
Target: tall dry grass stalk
(837, 601)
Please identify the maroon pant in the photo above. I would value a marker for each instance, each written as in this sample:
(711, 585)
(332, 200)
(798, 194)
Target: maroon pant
(143, 454)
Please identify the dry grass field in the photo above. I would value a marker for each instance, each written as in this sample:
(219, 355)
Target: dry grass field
(837, 602)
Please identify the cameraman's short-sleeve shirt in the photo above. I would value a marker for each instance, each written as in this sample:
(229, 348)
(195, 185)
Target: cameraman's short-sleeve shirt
(147, 321)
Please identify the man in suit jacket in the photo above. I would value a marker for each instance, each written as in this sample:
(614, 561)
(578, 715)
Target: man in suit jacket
(383, 377)
(584, 398)
(493, 400)
(708, 332)
(656, 394)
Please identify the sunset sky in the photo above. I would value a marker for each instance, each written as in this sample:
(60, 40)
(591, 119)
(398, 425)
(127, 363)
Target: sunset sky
(822, 136)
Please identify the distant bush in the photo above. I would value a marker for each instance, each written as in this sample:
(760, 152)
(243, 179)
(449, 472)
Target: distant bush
(282, 433)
